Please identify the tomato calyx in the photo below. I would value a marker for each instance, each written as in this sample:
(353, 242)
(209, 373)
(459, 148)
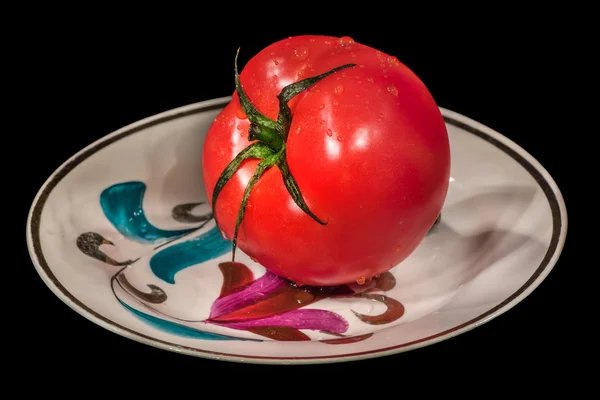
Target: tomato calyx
(269, 138)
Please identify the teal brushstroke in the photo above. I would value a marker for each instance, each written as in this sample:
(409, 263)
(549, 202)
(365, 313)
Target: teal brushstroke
(173, 328)
(123, 207)
(169, 261)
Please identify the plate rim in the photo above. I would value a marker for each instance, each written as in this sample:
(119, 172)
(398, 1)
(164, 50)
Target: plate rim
(525, 159)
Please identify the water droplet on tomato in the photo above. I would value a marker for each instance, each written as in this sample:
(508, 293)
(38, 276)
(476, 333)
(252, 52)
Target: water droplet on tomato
(362, 280)
(397, 249)
(346, 41)
(298, 129)
(393, 60)
(339, 89)
(335, 103)
(275, 77)
(275, 62)
(370, 79)
(239, 127)
(392, 90)
(340, 138)
(329, 132)
(322, 106)
(272, 53)
(301, 53)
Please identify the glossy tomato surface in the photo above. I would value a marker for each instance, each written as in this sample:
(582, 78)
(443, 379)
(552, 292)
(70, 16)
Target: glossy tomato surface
(367, 146)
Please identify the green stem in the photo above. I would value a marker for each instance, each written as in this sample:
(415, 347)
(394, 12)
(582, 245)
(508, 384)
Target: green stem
(254, 116)
(293, 189)
(266, 135)
(288, 92)
(255, 150)
(263, 166)
(270, 148)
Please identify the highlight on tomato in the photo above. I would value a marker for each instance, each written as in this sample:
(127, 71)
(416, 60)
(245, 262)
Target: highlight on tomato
(331, 162)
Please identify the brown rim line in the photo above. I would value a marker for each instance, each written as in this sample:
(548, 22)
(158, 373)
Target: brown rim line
(543, 179)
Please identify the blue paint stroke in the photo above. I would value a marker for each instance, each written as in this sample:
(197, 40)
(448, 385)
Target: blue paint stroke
(176, 329)
(168, 262)
(123, 207)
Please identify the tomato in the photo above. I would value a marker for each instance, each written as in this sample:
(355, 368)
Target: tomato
(350, 186)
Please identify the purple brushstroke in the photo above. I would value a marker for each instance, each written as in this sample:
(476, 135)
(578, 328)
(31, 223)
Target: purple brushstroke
(254, 292)
(299, 319)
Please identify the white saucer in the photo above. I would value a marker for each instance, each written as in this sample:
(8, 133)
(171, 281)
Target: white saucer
(122, 234)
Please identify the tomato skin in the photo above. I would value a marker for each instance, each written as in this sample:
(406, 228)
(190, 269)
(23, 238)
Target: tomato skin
(367, 146)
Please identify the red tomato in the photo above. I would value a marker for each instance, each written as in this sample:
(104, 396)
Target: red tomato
(367, 147)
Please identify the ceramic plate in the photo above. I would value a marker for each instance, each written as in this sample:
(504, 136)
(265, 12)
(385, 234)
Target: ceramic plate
(122, 233)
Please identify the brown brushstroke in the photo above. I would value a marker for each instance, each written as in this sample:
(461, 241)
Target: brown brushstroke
(349, 339)
(89, 244)
(156, 295)
(385, 282)
(280, 333)
(332, 333)
(394, 311)
(183, 213)
(235, 277)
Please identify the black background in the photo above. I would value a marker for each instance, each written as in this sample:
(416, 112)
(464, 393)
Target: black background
(92, 84)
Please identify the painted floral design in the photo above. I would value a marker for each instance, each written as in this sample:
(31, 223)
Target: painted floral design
(268, 306)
